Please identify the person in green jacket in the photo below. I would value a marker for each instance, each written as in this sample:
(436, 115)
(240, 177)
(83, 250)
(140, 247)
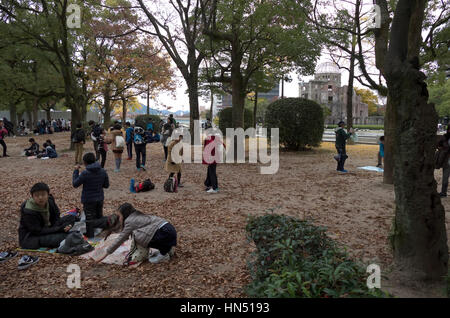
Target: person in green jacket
(341, 140)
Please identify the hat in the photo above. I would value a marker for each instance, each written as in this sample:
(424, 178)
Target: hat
(341, 122)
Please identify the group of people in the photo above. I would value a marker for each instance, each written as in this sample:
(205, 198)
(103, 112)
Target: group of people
(52, 126)
(48, 149)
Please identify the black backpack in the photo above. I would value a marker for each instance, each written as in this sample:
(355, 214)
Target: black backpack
(145, 186)
(78, 136)
(97, 131)
(171, 184)
(74, 244)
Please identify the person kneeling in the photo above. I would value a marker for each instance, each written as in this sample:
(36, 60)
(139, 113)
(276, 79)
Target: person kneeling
(40, 224)
(148, 231)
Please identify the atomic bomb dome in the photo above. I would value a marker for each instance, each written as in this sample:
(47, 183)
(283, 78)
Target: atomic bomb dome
(327, 68)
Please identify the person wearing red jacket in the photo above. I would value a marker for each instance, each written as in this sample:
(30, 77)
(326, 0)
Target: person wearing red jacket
(3, 133)
(209, 158)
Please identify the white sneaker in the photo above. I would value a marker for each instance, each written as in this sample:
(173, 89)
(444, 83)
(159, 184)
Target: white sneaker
(159, 258)
(212, 191)
(172, 252)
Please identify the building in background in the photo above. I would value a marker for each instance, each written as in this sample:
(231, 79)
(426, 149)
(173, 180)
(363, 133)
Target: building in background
(225, 100)
(326, 90)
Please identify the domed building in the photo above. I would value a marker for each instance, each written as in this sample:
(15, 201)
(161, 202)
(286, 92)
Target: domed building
(326, 90)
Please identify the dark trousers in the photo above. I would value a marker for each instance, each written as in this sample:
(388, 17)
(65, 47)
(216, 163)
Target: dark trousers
(102, 153)
(94, 217)
(380, 158)
(130, 149)
(52, 240)
(178, 177)
(445, 175)
(140, 152)
(211, 177)
(165, 152)
(164, 239)
(96, 151)
(2, 142)
(342, 157)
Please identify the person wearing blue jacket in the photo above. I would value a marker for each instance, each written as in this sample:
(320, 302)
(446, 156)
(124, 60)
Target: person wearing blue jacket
(129, 132)
(93, 179)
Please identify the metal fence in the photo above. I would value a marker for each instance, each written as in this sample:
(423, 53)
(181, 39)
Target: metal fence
(90, 115)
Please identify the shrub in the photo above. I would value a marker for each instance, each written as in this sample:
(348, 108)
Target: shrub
(143, 120)
(226, 119)
(294, 258)
(300, 122)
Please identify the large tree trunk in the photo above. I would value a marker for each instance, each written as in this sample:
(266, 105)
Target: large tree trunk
(107, 105)
(255, 108)
(389, 134)
(211, 109)
(124, 110)
(419, 237)
(352, 70)
(194, 114)
(35, 111)
(13, 115)
(48, 114)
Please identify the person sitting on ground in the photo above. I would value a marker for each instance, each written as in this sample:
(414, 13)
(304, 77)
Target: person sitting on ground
(381, 152)
(49, 142)
(93, 179)
(149, 231)
(48, 152)
(39, 220)
(33, 150)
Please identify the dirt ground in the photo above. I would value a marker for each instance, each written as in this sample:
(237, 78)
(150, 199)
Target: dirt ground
(212, 252)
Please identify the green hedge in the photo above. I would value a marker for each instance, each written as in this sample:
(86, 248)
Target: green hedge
(226, 119)
(300, 122)
(371, 127)
(294, 259)
(143, 120)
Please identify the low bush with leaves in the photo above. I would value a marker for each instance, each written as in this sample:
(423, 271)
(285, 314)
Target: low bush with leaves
(300, 122)
(295, 258)
(226, 119)
(143, 120)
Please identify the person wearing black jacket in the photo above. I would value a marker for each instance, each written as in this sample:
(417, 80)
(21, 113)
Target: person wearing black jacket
(33, 150)
(93, 179)
(40, 224)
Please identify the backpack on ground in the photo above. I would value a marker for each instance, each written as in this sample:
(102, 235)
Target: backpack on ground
(171, 184)
(120, 142)
(145, 186)
(74, 244)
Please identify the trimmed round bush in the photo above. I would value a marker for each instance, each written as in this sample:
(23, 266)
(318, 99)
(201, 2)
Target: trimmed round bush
(226, 119)
(300, 122)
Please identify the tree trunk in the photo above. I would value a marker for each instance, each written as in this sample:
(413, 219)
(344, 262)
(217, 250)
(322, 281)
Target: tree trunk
(148, 99)
(211, 106)
(255, 108)
(124, 110)
(352, 70)
(48, 114)
(13, 115)
(35, 111)
(107, 105)
(419, 237)
(194, 113)
(389, 134)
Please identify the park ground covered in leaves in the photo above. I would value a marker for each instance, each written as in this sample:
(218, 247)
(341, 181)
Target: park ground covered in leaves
(213, 250)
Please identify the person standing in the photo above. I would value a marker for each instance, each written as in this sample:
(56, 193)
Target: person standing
(95, 134)
(3, 134)
(118, 145)
(129, 132)
(102, 147)
(166, 132)
(381, 152)
(209, 158)
(94, 179)
(341, 140)
(140, 147)
(170, 165)
(78, 139)
(442, 159)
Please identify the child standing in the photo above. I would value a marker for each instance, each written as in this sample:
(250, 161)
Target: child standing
(118, 144)
(94, 179)
(170, 165)
(79, 139)
(140, 147)
(381, 152)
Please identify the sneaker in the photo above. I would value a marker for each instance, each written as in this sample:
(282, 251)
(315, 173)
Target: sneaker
(211, 191)
(159, 258)
(143, 168)
(4, 256)
(5, 156)
(180, 185)
(379, 165)
(443, 195)
(172, 251)
(138, 169)
(207, 189)
(116, 170)
(343, 170)
(26, 261)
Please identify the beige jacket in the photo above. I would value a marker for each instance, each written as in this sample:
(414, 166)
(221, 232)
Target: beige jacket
(143, 226)
(114, 134)
(170, 166)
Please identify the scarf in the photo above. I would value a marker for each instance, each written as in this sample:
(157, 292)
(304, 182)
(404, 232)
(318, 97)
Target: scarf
(45, 212)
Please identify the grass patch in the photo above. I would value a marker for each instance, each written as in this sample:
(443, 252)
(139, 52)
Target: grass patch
(296, 259)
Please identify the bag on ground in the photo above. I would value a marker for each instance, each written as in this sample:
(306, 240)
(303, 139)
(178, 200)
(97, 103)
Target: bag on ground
(145, 186)
(74, 244)
(171, 184)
